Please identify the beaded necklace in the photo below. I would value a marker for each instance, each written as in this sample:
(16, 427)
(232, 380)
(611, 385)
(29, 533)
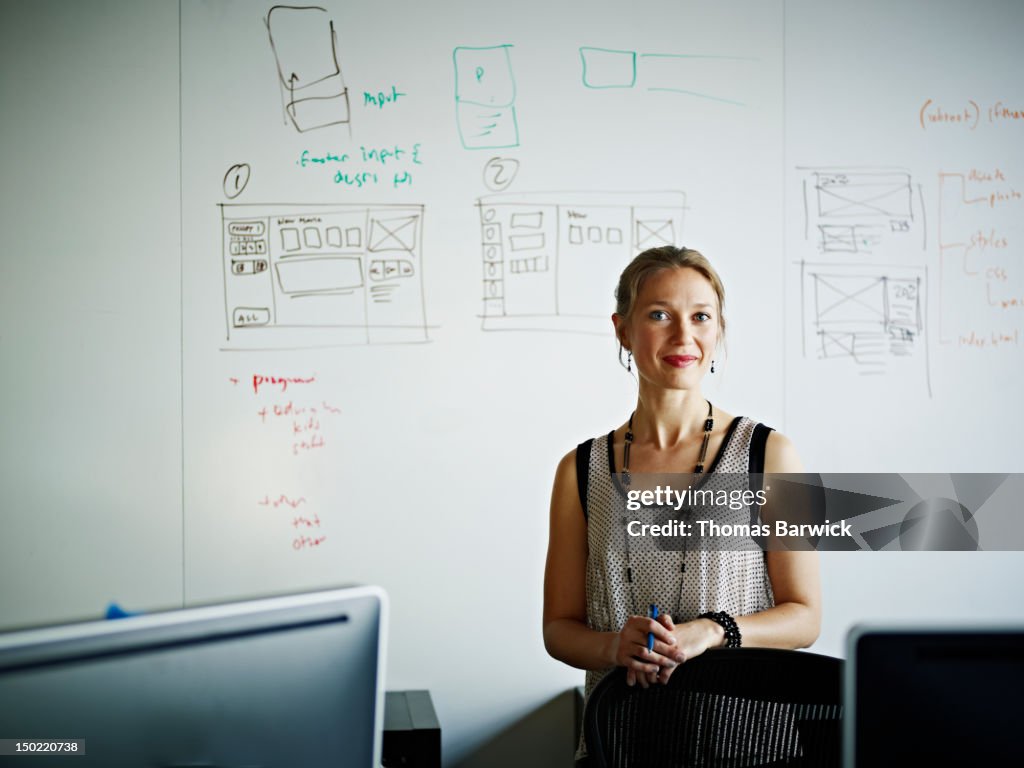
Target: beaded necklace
(733, 638)
(709, 424)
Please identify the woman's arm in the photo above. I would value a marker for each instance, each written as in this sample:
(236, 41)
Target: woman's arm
(795, 620)
(566, 634)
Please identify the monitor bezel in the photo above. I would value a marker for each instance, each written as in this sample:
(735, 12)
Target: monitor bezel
(73, 643)
(894, 629)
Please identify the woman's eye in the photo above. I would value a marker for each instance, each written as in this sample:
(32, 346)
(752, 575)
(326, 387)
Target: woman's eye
(659, 314)
(702, 317)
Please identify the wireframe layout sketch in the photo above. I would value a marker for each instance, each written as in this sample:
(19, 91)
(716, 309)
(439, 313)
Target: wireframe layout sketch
(866, 315)
(862, 211)
(485, 97)
(305, 45)
(308, 275)
(551, 260)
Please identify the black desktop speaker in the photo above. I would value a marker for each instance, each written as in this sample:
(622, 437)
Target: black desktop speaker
(412, 735)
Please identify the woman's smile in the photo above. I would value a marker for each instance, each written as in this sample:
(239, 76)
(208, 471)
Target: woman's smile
(680, 361)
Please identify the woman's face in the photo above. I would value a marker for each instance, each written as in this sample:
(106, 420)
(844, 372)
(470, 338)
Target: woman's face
(673, 328)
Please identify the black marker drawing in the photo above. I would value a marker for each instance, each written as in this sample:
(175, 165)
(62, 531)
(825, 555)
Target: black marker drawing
(313, 92)
(862, 210)
(868, 315)
(550, 260)
(235, 180)
(499, 173)
(863, 281)
(298, 276)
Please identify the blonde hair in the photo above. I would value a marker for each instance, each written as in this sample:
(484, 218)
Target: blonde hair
(665, 257)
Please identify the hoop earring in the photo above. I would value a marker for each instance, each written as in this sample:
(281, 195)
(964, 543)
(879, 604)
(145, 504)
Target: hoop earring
(712, 366)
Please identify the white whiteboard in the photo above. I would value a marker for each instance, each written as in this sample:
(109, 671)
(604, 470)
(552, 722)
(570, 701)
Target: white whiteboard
(903, 175)
(266, 376)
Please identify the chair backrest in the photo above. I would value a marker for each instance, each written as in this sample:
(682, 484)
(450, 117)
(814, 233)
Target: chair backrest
(727, 707)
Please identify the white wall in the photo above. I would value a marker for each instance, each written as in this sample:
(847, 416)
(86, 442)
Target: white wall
(91, 343)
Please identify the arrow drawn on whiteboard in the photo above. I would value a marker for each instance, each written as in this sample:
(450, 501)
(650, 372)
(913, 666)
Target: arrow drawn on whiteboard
(305, 46)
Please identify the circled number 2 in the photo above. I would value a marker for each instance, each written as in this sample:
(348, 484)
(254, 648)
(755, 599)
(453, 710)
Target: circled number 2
(500, 172)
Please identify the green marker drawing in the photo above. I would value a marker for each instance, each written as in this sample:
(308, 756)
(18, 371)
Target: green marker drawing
(485, 112)
(608, 68)
(699, 95)
(695, 56)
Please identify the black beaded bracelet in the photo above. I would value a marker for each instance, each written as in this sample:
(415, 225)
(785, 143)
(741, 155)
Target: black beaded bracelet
(733, 638)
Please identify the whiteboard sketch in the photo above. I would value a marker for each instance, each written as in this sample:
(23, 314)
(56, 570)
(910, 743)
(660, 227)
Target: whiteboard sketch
(861, 210)
(305, 45)
(710, 77)
(235, 180)
(310, 275)
(866, 316)
(485, 97)
(607, 67)
(551, 260)
(981, 284)
(500, 172)
(863, 280)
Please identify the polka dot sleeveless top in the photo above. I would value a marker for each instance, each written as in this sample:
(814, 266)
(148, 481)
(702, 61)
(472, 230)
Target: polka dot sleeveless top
(682, 583)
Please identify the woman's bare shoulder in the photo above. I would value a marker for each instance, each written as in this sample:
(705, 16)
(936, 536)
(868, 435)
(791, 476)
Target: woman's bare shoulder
(780, 454)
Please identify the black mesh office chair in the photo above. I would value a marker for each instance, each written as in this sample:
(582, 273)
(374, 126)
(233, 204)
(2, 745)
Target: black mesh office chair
(727, 708)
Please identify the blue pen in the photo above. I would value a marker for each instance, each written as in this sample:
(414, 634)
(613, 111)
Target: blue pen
(653, 613)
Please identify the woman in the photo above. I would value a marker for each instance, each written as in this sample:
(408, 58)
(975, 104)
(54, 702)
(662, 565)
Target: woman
(669, 323)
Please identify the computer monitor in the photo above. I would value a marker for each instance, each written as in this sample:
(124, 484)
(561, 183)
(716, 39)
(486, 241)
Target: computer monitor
(294, 680)
(933, 696)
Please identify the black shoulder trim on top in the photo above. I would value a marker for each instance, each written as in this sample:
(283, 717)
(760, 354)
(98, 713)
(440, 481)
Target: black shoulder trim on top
(758, 441)
(583, 472)
(611, 452)
(725, 444)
